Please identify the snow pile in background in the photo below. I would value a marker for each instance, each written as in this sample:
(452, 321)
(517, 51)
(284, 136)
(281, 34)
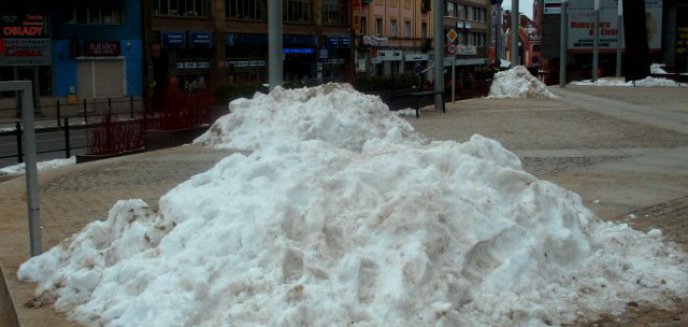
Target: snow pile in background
(657, 69)
(646, 82)
(322, 226)
(41, 165)
(517, 82)
(334, 113)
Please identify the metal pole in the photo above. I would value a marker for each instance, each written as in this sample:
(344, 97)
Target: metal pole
(453, 78)
(57, 106)
(85, 113)
(131, 107)
(515, 17)
(619, 28)
(438, 35)
(20, 147)
(563, 43)
(31, 168)
(596, 42)
(68, 150)
(275, 43)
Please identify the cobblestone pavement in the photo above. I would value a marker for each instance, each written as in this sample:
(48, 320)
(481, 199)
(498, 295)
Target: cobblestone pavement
(563, 144)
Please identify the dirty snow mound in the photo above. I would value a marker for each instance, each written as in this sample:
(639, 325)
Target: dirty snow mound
(517, 82)
(336, 224)
(645, 82)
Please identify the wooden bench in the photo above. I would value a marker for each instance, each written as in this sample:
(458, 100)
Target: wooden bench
(416, 99)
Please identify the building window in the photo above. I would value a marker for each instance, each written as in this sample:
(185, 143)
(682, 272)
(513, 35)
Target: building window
(424, 30)
(246, 9)
(181, 8)
(407, 29)
(298, 11)
(393, 29)
(450, 9)
(94, 14)
(364, 25)
(378, 26)
(334, 12)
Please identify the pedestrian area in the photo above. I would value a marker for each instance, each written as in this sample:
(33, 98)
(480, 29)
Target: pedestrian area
(624, 150)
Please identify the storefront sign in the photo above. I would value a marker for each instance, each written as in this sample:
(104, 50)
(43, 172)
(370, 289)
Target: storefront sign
(345, 42)
(25, 52)
(173, 39)
(417, 57)
(467, 50)
(298, 51)
(102, 48)
(376, 41)
(581, 25)
(26, 26)
(333, 41)
(390, 55)
(682, 40)
(202, 40)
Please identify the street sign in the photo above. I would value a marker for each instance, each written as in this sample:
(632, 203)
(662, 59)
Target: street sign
(452, 35)
(451, 49)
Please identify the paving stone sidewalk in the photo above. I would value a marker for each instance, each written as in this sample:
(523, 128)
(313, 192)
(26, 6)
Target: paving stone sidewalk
(603, 156)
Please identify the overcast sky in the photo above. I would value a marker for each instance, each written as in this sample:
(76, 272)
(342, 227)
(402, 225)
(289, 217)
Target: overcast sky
(525, 6)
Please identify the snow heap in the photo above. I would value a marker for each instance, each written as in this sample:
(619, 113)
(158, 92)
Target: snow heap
(517, 82)
(645, 82)
(341, 215)
(41, 165)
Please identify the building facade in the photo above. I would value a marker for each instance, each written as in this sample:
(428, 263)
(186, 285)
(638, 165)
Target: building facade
(203, 44)
(529, 41)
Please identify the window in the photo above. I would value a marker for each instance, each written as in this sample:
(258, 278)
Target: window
(378, 26)
(407, 29)
(364, 25)
(393, 29)
(182, 7)
(297, 11)
(94, 14)
(334, 12)
(246, 9)
(424, 30)
(449, 9)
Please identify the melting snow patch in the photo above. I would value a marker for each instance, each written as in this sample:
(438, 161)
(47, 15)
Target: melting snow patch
(517, 82)
(342, 215)
(42, 165)
(646, 82)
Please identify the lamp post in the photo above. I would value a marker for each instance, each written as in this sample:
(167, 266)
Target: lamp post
(275, 43)
(438, 35)
(515, 17)
(596, 42)
(563, 40)
(619, 28)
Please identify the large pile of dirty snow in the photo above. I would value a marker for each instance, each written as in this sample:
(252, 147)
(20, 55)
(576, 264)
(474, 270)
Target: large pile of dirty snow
(517, 82)
(645, 82)
(329, 223)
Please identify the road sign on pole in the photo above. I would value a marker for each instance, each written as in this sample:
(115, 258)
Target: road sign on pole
(451, 49)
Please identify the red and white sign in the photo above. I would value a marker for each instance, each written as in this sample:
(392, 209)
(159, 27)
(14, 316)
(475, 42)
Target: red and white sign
(451, 49)
(101, 48)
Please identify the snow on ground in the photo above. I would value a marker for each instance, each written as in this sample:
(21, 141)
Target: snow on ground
(41, 165)
(646, 82)
(340, 214)
(657, 69)
(517, 82)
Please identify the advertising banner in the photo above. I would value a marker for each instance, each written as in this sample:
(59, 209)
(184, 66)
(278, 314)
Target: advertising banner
(25, 52)
(581, 26)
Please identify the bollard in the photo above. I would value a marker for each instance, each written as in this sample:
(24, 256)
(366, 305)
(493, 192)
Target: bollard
(109, 106)
(20, 153)
(68, 151)
(131, 107)
(85, 113)
(57, 105)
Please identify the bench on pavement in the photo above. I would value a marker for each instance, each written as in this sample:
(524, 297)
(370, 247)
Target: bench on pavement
(416, 99)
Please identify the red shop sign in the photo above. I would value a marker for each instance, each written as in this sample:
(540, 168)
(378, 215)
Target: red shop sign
(102, 48)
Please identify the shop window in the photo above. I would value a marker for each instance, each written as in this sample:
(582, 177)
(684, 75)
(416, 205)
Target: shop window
(334, 12)
(94, 14)
(246, 9)
(190, 8)
(298, 11)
